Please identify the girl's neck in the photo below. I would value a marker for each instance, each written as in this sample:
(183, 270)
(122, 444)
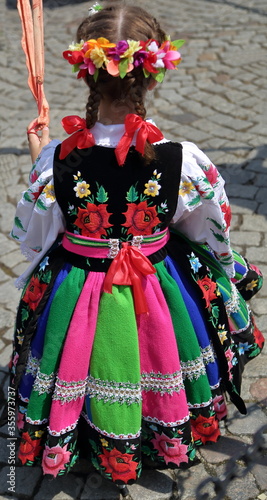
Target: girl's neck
(114, 112)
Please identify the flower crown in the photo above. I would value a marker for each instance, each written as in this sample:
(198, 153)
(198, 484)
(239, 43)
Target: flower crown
(120, 58)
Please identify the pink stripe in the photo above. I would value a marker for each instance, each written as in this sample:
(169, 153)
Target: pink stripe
(77, 350)
(156, 336)
(102, 252)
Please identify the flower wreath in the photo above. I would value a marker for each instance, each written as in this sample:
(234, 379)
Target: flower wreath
(122, 57)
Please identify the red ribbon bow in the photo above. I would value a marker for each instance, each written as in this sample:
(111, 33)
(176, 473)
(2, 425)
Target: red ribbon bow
(127, 269)
(81, 137)
(147, 132)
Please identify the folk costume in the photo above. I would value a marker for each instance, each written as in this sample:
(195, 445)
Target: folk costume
(133, 321)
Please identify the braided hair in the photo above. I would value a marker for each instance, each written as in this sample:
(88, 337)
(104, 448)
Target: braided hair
(116, 22)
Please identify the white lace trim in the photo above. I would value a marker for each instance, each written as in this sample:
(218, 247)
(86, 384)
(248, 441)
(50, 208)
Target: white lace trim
(166, 424)
(232, 304)
(62, 431)
(110, 135)
(199, 405)
(112, 392)
(69, 391)
(193, 369)
(44, 383)
(25, 400)
(32, 365)
(208, 355)
(164, 384)
(27, 252)
(110, 434)
(36, 422)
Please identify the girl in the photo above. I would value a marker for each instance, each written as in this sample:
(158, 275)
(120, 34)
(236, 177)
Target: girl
(126, 338)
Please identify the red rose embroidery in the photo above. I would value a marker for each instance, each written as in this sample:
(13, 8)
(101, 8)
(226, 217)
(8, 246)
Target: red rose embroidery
(120, 465)
(172, 450)
(140, 219)
(208, 288)
(205, 429)
(29, 448)
(212, 174)
(93, 220)
(34, 292)
(259, 338)
(226, 210)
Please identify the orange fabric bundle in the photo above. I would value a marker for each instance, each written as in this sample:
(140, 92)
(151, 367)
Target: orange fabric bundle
(33, 45)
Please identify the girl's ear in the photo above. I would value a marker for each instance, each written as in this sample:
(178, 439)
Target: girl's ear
(152, 84)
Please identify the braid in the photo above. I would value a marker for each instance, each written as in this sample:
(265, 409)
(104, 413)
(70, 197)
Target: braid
(92, 106)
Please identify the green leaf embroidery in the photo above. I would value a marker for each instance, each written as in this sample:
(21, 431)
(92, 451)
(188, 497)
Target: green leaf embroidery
(14, 236)
(94, 446)
(102, 195)
(40, 204)
(27, 197)
(18, 224)
(219, 226)
(46, 278)
(132, 195)
(24, 314)
(219, 237)
(195, 201)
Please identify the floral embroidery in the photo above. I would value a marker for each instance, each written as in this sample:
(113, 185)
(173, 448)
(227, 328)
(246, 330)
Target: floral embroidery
(205, 429)
(222, 333)
(194, 262)
(140, 218)
(171, 449)
(93, 220)
(152, 188)
(242, 348)
(227, 214)
(29, 448)
(259, 338)
(120, 465)
(20, 420)
(220, 407)
(54, 459)
(34, 293)
(82, 189)
(49, 192)
(252, 284)
(212, 173)
(186, 188)
(208, 288)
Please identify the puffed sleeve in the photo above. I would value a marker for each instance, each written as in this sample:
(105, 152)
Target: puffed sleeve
(38, 220)
(203, 213)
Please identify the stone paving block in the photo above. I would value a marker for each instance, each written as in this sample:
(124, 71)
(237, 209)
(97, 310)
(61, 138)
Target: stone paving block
(6, 245)
(155, 484)
(9, 295)
(259, 472)
(61, 488)
(247, 192)
(246, 424)
(241, 489)
(225, 448)
(256, 254)
(253, 222)
(25, 481)
(262, 209)
(246, 238)
(257, 367)
(6, 319)
(259, 391)
(98, 488)
(187, 482)
(5, 356)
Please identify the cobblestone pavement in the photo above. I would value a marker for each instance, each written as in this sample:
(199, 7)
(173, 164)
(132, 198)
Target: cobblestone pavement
(217, 99)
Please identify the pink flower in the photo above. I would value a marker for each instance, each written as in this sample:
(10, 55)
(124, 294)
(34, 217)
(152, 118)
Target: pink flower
(89, 65)
(54, 459)
(229, 356)
(220, 407)
(212, 174)
(170, 449)
(20, 421)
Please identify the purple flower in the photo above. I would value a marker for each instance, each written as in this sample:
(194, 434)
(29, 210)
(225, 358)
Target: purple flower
(139, 57)
(116, 52)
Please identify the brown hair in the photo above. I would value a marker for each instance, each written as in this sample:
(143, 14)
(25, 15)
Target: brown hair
(116, 22)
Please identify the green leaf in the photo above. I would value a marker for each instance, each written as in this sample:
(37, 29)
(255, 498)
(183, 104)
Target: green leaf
(219, 237)
(95, 463)
(219, 226)
(27, 197)
(102, 195)
(146, 450)
(18, 224)
(75, 68)
(123, 67)
(46, 278)
(159, 77)
(94, 446)
(132, 195)
(14, 236)
(24, 314)
(95, 76)
(195, 201)
(40, 204)
(146, 73)
(178, 43)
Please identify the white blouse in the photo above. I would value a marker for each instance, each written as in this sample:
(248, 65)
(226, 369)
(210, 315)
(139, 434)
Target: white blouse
(202, 213)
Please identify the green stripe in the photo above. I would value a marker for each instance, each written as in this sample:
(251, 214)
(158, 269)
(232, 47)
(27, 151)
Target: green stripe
(105, 243)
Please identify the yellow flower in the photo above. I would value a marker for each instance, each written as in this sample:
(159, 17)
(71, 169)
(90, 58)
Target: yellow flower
(38, 434)
(82, 189)
(252, 285)
(98, 57)
(222, 333)
(152, 188)
(49, 192)
(96, 50)
(20, 336)
(76, 46)
(186, 187)
(133, 47)
(104, 442)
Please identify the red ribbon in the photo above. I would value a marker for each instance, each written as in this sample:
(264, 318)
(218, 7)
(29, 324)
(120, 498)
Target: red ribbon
(147, 132)
(127, 269)
(81, 137)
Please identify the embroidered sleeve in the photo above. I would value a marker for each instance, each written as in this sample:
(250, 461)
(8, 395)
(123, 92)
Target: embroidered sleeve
(203, 213)
(38, 220)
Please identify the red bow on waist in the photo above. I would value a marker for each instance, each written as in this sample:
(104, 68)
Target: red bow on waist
(81, 137)
(147, 132)
(127, 269)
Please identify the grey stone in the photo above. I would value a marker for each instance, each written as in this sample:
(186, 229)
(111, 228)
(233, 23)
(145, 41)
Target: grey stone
(98, 488)
(241, 489)
(159, 484)
(254, 222)
(6, 319)
(255, 254)
(246, 424)
(225, 448)
(60, 488)
(245, 237)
